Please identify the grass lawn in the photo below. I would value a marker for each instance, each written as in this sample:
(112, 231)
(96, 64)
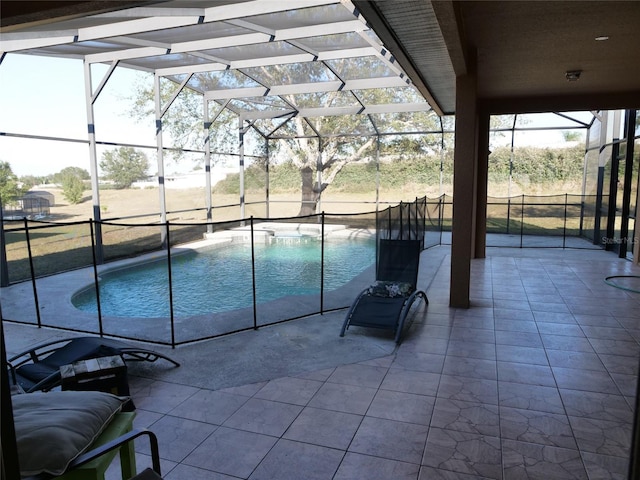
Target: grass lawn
(63, 241)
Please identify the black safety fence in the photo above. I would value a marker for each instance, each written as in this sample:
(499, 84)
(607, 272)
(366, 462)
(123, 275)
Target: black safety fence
(550, 221)
(405, 221)
(524, 221)
(178, 282)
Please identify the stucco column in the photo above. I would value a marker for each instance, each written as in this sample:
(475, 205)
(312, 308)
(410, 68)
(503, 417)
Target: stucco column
(482, 181)
(465, 174)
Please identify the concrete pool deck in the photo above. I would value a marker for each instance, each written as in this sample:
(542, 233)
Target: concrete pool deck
(309, 342)
(55, 293)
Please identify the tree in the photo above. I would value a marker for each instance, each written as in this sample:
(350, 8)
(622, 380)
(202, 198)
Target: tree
(124, 165)
(67, 172)
(72, 180)
(319, 147)
(571, 136)
(72, 189)
(10, 188)
(30, 181)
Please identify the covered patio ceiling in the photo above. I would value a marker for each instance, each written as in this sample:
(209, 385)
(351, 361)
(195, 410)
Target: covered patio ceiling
(520, 50)
(263, 60)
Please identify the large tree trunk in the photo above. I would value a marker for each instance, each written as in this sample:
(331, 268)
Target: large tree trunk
(310, 194)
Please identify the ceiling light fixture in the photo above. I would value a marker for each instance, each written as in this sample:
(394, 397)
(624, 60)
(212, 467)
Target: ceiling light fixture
(572, 75)
(602, 38)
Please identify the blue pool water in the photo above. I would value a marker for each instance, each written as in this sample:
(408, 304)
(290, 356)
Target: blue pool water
(220, 279)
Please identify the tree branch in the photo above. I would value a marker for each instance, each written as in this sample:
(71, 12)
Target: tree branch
(338, 165)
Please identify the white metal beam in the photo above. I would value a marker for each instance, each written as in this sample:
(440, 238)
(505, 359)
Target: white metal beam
(333, 111)
(259, 7)
(319, 30)
(183, 70)
(256, 37)
(303, 88)
(9, 44)
(131, 27)
(167, 50)
(276, 60)
(184, 47)
(128, 54)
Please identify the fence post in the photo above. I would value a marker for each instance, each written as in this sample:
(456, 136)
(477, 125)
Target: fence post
(96, 278)
(4, 264)
(416, 219)
(423, 220)
(33, 272)
(322, 263)
(508, 214)
(441, 207)
(522, 221)
(253, 277)
(169, 275)
(564, 226)
(582, 209)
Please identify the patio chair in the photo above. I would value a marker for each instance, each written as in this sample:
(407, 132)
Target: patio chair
(386, 303)
(95, 454)
(76, 435)
(38, 369)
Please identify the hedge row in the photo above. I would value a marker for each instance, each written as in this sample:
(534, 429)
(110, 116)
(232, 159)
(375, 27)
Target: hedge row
(529, 165)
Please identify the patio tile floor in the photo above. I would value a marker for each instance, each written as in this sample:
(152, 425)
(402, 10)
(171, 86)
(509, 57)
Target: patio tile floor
(535, 381)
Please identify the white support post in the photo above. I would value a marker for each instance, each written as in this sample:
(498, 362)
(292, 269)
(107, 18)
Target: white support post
(207, 163)
(319, 176)
(267, 179)
(160, 155)
(377, 172)
(93, 161)
(241, 165)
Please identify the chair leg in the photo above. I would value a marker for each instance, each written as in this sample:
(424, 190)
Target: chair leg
(405, 312)
(128, 460)
(345, 324)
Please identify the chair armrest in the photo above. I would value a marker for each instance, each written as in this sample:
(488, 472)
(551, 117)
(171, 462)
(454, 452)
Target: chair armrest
(12, 373)
(117, 443)
(34, 354)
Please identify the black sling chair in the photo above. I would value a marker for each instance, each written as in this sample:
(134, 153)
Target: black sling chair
(38, 369)
(386, 304)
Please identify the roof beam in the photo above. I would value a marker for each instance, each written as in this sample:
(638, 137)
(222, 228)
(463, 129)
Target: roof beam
(303, 88)
(450, 23)
(131, 27)
(147, 19)
(378, 23)
(252, 38)
(185, 70)
(333, 28)
(333, 111)
(208, 44)
(275, 60)
(10, 42)
(174, 39)
(262, 61)
(259, 7)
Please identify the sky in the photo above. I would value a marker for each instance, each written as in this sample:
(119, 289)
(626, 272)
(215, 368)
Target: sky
(45, 96)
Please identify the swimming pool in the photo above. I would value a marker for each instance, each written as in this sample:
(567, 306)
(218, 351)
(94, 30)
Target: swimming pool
(219, 279)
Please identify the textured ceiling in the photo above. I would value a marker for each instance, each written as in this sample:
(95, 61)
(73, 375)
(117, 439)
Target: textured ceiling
(521, 50)
(525, 48)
